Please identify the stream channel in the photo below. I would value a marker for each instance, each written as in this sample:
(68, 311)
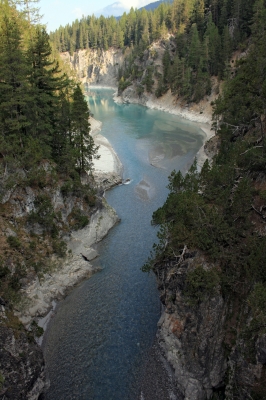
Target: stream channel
(96, 344)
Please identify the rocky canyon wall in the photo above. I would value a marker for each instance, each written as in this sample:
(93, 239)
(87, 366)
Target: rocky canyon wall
(95, 66)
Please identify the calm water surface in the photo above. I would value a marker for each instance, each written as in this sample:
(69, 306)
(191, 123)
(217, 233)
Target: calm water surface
(97, 341)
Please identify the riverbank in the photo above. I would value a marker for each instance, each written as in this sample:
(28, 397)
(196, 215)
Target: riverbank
(108, 169)
(201, 112)
(39, 294)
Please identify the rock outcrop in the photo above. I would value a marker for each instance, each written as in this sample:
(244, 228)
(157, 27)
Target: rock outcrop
(209, 355)
(95, 66)
(21, 365)
(192, 337)
(38, 294)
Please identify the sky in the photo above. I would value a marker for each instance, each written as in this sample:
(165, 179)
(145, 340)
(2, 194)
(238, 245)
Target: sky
(62, 12)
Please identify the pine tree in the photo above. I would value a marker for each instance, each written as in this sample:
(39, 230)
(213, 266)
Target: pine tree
(81, 140)
(194, 48)
(214, 46)
(198, 16)
(45, 80)
(14, 93)
(62, 150)
(29, 9)
(166, 66)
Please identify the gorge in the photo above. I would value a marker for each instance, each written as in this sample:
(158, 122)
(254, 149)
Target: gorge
(197, 59)
(115, 313)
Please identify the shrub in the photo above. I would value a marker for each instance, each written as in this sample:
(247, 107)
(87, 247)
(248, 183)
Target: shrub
(36, 329)
(2, 380)
(3, 271)
(140, 90)
(14, 282)
(44, 212)
(59, 247)
(36, 178)
(13, 241)
(123, 84)
(200, 284)
(79, 220)
(66, 188)
(90, 199)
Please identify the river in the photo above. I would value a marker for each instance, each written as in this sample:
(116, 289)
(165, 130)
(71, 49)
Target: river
(97, 341)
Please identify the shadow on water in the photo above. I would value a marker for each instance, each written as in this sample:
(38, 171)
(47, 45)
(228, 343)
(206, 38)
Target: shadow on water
(95, 345)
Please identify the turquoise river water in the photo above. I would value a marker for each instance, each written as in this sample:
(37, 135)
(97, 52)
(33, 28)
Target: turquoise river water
(97, 342)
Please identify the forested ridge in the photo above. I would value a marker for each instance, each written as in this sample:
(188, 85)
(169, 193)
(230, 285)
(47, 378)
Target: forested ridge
(203, 35)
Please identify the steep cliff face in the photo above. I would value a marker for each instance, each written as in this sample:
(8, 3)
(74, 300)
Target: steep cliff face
(95, 66)
(191, 337)
(203, 342)
(21, 364)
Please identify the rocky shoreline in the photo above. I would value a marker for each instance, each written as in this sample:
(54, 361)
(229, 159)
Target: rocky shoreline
(108, 170)
(39, 294)
(197, 113)
(66, 273)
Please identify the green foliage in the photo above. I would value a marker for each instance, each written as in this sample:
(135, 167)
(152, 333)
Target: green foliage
(66, 188)
(36, 178)
(78, 219)
(257, 299)
(43, 213)
(203, 39)
(36, 330)
(140, 90)
(148, 81)
(14, 283)
(42, 114)
(13, 241)
(213, 210)
(4, 271)
(90, 198)
(123, 84)
(201, 284)
(82, 142)
(161, 88)
(59, 247)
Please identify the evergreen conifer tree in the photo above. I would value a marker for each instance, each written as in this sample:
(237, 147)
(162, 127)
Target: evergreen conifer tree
(14, 94)
(82, 142)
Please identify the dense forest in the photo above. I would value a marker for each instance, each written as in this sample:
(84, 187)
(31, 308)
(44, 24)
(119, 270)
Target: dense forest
(203, 36)
(40, 107)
